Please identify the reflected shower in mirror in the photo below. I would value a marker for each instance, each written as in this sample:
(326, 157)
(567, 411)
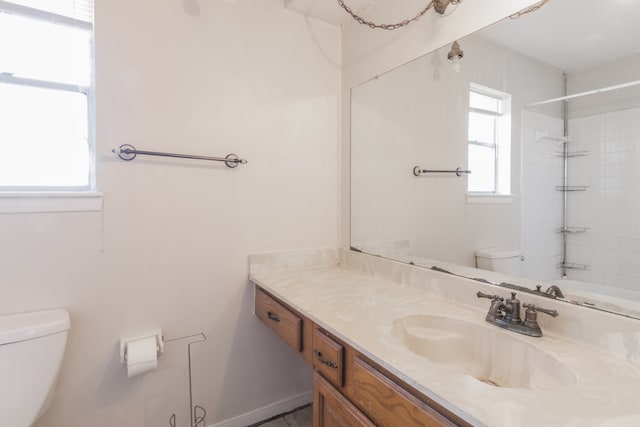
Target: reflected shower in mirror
(544, 111)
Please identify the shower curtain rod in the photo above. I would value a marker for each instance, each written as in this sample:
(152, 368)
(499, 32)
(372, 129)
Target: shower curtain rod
(589, 92)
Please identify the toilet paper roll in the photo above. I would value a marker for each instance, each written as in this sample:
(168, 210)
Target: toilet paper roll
(142, 356)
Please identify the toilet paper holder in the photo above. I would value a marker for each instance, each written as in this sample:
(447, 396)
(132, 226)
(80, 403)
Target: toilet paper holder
(157, 333)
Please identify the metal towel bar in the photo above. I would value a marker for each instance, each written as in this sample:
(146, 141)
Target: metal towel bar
(129, 152)
(417, 171)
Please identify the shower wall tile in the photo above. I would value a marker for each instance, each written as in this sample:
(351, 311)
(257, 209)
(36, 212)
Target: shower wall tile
(610, 208)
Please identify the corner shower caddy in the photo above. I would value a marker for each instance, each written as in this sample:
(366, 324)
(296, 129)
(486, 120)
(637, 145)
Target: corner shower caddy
(566, 155)
(565, 188)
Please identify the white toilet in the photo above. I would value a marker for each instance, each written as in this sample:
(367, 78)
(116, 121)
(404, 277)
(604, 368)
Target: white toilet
(31, 350)
(500, 260)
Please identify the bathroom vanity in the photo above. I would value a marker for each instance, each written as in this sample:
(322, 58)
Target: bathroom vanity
(395, 345)
(349, 388)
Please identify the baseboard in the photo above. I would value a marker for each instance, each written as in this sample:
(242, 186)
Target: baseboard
(268, 411)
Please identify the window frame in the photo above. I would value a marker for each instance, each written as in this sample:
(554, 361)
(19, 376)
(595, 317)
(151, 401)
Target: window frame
(10, 192)
(501, 144)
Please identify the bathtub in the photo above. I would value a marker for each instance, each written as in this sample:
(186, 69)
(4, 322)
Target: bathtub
(608, 298)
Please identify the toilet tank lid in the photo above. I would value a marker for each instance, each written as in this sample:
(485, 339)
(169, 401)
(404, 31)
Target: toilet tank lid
(498, 253)
(26, 326)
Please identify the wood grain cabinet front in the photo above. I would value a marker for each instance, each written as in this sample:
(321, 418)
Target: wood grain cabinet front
(328, 357)
(279, 319)
(387, 403)
(332, 409)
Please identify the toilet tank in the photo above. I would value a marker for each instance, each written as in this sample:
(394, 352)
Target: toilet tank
(500, 260)
(31, 351)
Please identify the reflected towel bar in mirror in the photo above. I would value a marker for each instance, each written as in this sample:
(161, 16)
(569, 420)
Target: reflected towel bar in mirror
(417, 171)
(129, 152)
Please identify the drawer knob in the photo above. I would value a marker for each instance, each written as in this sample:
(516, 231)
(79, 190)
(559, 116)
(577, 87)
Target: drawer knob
(329, 363)
(273, 316)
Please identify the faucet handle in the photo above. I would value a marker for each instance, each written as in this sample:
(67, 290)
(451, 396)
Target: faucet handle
(491, 297)
(552, 313)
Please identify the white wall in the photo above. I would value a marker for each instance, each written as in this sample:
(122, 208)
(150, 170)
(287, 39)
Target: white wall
(170, 247)
(620, 71)
(417, 115)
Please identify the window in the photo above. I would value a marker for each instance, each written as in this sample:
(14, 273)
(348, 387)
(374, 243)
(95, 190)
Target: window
(489, 141)
(46, 107)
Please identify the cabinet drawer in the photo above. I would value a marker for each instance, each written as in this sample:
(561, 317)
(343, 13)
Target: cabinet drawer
(328, 358)
(279, 319)
(388, 404)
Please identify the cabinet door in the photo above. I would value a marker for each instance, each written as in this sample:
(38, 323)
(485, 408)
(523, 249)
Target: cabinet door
(389, 404)
(331, 409)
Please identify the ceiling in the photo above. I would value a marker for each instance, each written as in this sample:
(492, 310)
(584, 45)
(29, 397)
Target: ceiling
(566, 34)
(573, 34)
(328, 10)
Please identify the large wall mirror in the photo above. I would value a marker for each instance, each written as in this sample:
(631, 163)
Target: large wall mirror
(544, 111)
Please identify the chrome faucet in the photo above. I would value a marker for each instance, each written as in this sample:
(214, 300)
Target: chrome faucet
(552, 291)
(507, 314)
(496, 306)
(555, 291)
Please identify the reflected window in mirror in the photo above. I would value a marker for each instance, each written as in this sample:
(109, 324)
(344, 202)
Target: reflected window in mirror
(489, 141)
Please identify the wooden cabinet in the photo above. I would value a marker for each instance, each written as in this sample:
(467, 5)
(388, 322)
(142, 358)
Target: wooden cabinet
(349, 389)
(389, 404)
(332, 409)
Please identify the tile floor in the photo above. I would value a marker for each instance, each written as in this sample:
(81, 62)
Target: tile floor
(301, 417)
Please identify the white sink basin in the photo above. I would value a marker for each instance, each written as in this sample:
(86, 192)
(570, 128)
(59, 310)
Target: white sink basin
(486, 353)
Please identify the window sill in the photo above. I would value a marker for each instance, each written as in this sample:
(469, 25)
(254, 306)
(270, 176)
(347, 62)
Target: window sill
(55, 201)
(490, 198)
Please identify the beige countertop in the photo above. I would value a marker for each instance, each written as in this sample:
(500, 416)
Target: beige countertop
(361, 308)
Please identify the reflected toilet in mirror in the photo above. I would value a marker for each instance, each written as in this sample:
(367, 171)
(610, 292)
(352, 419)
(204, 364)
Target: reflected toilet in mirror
(501, 260)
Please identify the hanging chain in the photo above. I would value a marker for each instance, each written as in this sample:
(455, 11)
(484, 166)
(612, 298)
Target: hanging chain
(401, 24)
(533, 8)
(370, 24)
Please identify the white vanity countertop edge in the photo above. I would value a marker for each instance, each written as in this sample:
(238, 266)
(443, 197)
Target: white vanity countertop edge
(360, 310)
